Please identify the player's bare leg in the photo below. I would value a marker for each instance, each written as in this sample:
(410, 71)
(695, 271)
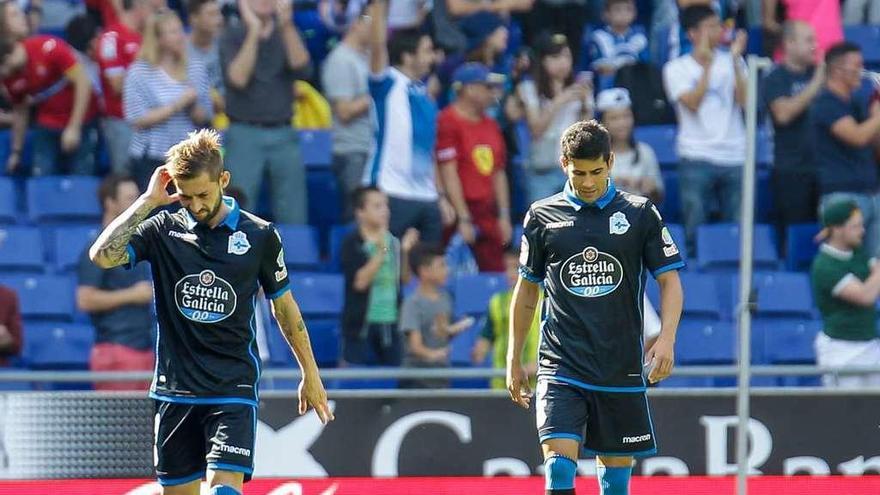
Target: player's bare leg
(225, 482)
(191, 488)
(614, 473)
(560, 465)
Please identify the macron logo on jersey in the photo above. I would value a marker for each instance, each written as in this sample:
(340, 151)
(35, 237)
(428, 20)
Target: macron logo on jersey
(637, 439)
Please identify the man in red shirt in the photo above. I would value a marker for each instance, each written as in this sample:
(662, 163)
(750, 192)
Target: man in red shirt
(10, 325)
(472, 157)
(118, 46)
(43, 72)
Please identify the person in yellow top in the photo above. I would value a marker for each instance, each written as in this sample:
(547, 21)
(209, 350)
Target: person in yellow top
(494, 334)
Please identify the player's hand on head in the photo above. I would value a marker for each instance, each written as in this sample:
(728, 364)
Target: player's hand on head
(313, 395)
(661, 356)
(518, 385)
(157, 192)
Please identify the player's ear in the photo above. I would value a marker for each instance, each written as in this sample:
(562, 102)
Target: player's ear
(225, 177)
(610, 161)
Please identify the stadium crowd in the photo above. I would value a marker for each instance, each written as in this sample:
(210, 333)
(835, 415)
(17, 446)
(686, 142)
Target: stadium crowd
(445, 119)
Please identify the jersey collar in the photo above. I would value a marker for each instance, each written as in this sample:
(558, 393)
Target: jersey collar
(835, 253)
(600, 203)
(230, 221)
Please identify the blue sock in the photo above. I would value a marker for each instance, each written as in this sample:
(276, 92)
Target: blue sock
(223, 490)
(613, 480)
(559, 473)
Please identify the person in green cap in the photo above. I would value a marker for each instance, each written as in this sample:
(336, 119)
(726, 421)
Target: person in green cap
(846, 286)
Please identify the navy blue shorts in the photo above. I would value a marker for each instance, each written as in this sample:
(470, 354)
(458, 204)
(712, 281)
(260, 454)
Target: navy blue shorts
(191, 438)
(605, 423)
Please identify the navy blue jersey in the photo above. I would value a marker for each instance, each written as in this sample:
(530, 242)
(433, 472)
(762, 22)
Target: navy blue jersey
(206, 282)
(593, 260)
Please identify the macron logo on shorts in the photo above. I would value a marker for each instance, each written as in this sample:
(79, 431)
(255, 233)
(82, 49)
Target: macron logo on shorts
(637, 439)
(232, 449)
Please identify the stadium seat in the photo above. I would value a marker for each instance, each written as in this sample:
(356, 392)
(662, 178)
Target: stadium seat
(784, 294)
(300, 246)
(55, 198)
(662, 139)
(718, 247)
(44, 297)
(670, 208)
(789, 341)
(473, 292)
(337, 235)
(324, 336)
(21, 249)
(318, 294)
(702, 341)
(868, 38)
(463, 343)
(702, 298)
(802, 246)
(57, 346)
(8, 208)
(680, 239)
(316, 147)
(69, 242)
(324, 198)
(686, 382)
(763, 197)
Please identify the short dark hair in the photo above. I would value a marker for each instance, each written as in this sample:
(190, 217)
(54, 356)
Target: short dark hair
(692, 16)
(194, 6)
(359, 196)
(109, 188)
(838, 50)
(586, 140)
(80, 31)
(423, 254)
(610, 3)
(404, 41)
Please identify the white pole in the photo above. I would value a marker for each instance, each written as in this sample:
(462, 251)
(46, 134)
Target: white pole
(747, 226)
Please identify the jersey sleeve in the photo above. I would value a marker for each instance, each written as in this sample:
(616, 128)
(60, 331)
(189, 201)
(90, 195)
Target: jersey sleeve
(660, 253)
(273, 271)
(447, 139)
(831, 278)
(532, 257)
(140, 246)
(61, 56)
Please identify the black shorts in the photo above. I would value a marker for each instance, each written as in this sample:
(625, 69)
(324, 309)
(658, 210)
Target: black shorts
(606, 423)
(191, 438)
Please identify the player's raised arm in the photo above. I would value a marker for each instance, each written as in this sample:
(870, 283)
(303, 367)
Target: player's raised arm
(662, 353)
(111, 247)
(311, 390)
(523, 304)
(378, 12)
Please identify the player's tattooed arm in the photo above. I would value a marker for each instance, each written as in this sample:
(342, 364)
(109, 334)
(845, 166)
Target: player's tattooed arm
(110, 249)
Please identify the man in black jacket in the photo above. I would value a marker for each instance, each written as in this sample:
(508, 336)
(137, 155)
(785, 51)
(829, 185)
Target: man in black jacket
(374, 264)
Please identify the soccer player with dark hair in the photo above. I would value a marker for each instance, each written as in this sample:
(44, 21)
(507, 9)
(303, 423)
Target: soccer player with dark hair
(589, 249)
(208, 260)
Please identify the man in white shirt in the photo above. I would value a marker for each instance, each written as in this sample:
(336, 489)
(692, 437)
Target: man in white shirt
(708, 87)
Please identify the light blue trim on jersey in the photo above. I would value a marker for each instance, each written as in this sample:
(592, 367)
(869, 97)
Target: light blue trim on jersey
(379, 89)
(678, 265)
(182, 480)
(230, 221)
(638, 453)
(132, 257)
(597, 388)
(600, 203)
(570, 436)
(526, 274)
(202, 400)
(650, 422)
(252, 344)
(223, 466)
(280, 292)
(640, 299)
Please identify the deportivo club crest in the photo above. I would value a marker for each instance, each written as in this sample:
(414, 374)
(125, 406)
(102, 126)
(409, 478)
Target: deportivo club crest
(238, 243)
(618, 224)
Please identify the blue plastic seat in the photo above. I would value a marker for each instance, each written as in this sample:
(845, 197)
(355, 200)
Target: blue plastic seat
(8, 208)
(318, 294)
(45, 297)
(316, 146)
(670, 208)
(718, 247)
(300, 246)
(687, 382)
(69, 242)
(57, 346)
(55, 198)
(678, 235)
(702, 298)
(789, 341)
(868, 38)
(703, 341)
(802, 247)
(323, 334)
(324, 197)
(784, 294)
(463, 343)
(21, 249)
(662, 139)
(338, 233)
(473, 292)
